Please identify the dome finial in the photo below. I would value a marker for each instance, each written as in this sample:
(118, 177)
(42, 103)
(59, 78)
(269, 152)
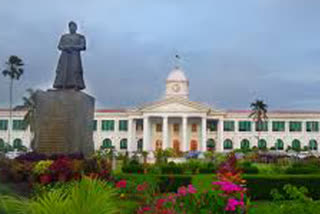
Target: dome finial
(177, 61)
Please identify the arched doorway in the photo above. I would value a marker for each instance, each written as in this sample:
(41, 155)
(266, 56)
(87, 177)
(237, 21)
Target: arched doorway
(279, 144)
(227, 144)
(106, 144)
(194, 145)
(176, 145)
(313, 145)
(140, 145)
(296, 145)
(262, 144)
(158, 145)
(17, 143)
(211, 144)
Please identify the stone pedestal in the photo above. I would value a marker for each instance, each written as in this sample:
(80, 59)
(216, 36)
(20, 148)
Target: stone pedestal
(63, 122)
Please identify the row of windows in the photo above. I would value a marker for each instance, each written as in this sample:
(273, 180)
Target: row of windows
(108, 125)
(262, 144)
(277, 126)
(107, 144)
(16, 125)
(17, 143)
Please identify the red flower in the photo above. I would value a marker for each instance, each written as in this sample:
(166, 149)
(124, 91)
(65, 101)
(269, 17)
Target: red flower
(121, 184)
(142, 187)
(45, 179)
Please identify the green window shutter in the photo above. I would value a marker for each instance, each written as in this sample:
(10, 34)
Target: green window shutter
(1, 144)
(123, 144)
(295, 126)
(140, 145)
(245, 144)
(106, 144)
(228, 126)
(211, 144)
(313, 145)
(227, 144)
(123, 125)
(262, 126)
(278, 126)
(212, 125)
(4, 125)
(312, 126)
(19, 125)
(279, 145)
(17, 143)
(262, 144)
(244, 126)
(108, 125)
(94, 125)
(296, 145)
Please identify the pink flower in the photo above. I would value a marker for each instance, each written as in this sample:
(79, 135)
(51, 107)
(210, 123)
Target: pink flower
(228, 187)
(182, 191)
(121, 184)
(233, 204)
(191, 189)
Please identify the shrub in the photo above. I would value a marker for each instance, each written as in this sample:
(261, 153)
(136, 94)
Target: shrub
(248, 168)
(172, 168)
(300, 168)
(170, 183)
(207, 168)
(133, 167)
(259, 186)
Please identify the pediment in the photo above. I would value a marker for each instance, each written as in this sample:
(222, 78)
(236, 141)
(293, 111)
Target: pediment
(174, 105)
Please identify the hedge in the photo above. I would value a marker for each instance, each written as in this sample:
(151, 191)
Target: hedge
(259, 186)
(165, 183)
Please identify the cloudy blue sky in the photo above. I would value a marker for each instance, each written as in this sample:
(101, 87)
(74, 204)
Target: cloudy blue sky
(233, 51)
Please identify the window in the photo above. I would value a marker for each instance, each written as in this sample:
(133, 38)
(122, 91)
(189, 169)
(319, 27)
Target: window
(123, 144)
(228, 126)
(1, 143)
(3, 124)
(210, 144)
(296, 145)
(158, 127)
(139, 125)
(279, 144)
(227, 144)
(17, 143)
(19, 125)
(107, 125)
(176, 127)
(140, 145)
(278, 126)
(262, 144)
(262, 126)
(212, 125)
(245, 144)
(123, 125)
(106, 144)
(312, 126)
(158, 144)
(244, 126)
(313, 145)
(194, 127)
(295, 126)
(94, 125)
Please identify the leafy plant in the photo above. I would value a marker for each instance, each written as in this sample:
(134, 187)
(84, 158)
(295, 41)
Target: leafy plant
(85, 196)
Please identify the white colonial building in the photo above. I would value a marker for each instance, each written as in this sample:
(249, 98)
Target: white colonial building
(178, 123)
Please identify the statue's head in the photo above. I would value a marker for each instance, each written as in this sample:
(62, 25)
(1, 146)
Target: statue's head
(73, 27)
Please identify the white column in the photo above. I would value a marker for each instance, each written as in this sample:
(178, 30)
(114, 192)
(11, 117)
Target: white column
(146, 134)
(165, 143)
(204, 134)
(130, 136)
(184, 134)
(219, 143)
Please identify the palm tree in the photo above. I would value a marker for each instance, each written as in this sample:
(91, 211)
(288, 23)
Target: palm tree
(29, 104)
(14, 70)
(259, 113)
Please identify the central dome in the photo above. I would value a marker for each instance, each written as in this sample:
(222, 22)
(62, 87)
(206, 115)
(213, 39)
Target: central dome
(177, 74)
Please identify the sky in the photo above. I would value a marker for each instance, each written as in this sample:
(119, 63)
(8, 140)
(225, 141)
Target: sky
(232, 51)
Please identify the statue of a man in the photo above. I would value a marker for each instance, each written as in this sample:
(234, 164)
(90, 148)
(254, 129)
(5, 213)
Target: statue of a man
(69, 73)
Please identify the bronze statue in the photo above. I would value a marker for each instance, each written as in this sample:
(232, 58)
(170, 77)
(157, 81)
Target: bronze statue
(69, 73)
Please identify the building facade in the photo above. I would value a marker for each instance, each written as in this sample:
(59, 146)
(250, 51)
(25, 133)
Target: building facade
(176, 122)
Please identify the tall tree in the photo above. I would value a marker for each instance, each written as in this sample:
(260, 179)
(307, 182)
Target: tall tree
(14, 69)
(259, 114)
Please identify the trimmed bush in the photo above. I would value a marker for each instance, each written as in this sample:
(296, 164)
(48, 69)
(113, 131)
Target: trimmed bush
(172, 168)
(164, 183)
(259, 186)
(299, 168)
(248, 168)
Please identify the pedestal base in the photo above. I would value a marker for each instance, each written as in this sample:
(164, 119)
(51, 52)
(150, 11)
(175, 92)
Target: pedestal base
(63, 122)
